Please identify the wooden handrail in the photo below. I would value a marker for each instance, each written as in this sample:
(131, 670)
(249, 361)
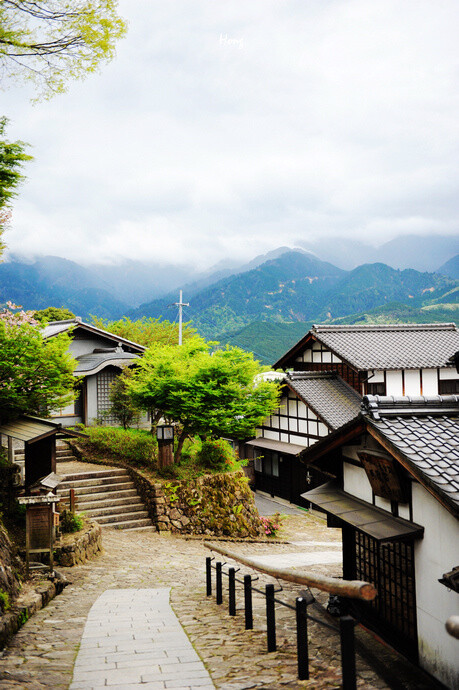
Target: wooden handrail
(353, 589)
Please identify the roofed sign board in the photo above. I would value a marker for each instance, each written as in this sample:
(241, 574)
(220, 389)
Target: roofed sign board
(383, 477)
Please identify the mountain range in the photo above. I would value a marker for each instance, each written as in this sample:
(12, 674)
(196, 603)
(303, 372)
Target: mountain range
(264, 305)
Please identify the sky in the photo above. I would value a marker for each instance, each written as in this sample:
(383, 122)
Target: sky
(226, 129)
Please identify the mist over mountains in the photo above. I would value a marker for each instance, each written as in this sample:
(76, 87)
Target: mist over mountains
(262, 305)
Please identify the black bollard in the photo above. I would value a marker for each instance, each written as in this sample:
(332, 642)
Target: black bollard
(231, 591)
(270, 618)
(219, 593)
(346, 624)
(302, 638)
(208, 576)
(248, 602)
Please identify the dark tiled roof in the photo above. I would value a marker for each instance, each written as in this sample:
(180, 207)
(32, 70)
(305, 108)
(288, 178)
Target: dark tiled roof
(95, 361)
(328, 396)
(55, 327)
(403, 346)
(426, 432)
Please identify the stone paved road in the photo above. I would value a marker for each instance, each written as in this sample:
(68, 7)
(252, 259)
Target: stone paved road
(42, 654)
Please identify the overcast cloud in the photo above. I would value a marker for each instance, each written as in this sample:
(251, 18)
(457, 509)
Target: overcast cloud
(223, 130)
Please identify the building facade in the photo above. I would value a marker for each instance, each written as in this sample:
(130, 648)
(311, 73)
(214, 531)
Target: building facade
(100, 356)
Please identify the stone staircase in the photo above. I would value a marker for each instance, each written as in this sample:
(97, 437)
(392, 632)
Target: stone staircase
(107, 496)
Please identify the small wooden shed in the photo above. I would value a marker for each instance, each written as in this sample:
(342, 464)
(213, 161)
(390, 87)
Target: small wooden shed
(39, 438)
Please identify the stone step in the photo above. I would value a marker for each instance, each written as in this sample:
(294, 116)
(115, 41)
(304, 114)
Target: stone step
(101, 501)
(96, 488)
(95, 481)
(107, 496)
(60, 453)
(115, 518)
(130, 524)
(95, 474)
(129, 508)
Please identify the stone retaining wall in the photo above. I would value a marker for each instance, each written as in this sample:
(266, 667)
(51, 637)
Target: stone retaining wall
(25, 606)
(78, 548)
(213, 505)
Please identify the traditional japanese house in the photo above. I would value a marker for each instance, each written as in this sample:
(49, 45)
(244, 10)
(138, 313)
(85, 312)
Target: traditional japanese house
(399, 359)
(394, 490)
(313, 405)
(329, 370)
(100, 357)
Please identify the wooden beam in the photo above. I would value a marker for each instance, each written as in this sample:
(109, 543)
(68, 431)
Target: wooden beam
(353, 589)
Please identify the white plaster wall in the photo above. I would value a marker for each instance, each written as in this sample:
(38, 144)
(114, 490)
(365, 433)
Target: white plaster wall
(355, 482)
(270, 434)
(429, 382)
(448, 374)
(436, 554)
(394, 384)
(378, 377)
(91, 399)
(298, 440)
(412, 382)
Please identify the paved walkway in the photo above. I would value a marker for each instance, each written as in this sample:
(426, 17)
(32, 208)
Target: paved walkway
(43, 653)
(133, 638)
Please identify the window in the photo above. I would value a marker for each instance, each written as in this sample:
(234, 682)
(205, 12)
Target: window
(376, 388)
(266, 462)
(448, 387)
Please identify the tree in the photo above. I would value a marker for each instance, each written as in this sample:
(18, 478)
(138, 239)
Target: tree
(36, 375)
(209, 394)
(51, 41)
(53, 314)
(145, 331)
(12, 158)
(122, 406)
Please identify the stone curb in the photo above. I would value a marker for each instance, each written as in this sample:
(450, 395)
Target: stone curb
(25, 606)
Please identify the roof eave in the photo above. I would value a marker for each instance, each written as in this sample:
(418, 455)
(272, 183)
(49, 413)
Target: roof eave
(412, 469)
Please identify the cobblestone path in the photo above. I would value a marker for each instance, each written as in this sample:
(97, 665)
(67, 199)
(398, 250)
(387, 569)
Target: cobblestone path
(43, 652)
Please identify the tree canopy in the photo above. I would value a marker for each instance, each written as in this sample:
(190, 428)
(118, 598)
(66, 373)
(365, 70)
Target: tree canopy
(36, 375)
(53, 314)
(51, 41)
(12, 158)
(209, 394)
(145, 331)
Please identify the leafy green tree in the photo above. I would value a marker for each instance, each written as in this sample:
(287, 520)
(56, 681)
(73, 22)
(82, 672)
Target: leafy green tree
(145, 331)
(36, 375)
(53, 314)
(12, 158)
(51, 41)
(122, 406)
(210, 394)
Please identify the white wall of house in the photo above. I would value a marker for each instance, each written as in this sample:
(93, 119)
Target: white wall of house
(91, 399)
(285, 426)
(435, 555)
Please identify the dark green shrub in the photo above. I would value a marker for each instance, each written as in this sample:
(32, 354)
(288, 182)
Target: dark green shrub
(215, 454)
(70, 522)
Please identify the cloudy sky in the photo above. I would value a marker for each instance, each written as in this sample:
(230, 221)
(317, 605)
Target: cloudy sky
(226, 129)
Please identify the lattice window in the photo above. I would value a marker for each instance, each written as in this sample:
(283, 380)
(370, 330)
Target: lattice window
(105, 379)
(390, 567)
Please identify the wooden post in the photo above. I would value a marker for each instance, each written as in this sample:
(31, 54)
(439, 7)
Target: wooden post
(10, 449)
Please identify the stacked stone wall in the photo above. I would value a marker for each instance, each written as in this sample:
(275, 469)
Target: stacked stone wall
(219, 505)
(80, 547)
(10, 566)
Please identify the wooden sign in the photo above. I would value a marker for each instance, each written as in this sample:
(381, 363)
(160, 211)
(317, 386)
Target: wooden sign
(383, 476)
(40, 523)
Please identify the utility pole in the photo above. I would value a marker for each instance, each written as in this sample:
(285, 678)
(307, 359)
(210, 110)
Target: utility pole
(180, 305)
